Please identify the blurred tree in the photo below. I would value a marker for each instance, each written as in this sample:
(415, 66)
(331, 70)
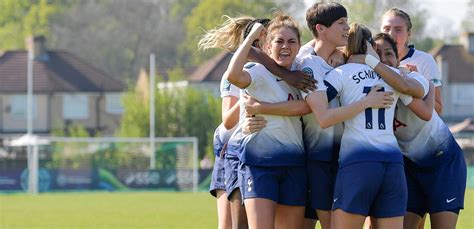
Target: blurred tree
(179, 112)
(468, 22)
(119, 35)
(22, 18)
(369, 13)
(208, 14)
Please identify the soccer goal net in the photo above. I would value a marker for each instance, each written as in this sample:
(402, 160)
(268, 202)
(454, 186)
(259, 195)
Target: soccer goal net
(114, 164)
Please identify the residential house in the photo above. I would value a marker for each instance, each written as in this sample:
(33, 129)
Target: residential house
(456, 64)
(209, 74)
(67, 90)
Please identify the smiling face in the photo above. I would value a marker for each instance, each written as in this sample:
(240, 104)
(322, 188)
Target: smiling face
(283, 45)
(386, 52)
(338, 32)
(397, 27)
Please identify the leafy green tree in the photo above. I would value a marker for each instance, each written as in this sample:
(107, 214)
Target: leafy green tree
(468, 22)
(180, 112)
(119, 35)
(208, 14)
(369, 13)
(22, 18)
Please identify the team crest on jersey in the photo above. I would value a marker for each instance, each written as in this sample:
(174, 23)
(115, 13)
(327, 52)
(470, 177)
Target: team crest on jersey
(226, 85)
(249, 65)
(308, 71)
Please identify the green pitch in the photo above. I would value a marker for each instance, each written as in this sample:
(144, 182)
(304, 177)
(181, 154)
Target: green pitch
(127, 210)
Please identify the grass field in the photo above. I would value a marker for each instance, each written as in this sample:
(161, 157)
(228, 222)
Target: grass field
(128, 210)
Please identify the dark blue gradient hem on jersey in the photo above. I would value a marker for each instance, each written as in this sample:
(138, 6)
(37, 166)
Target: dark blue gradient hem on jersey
(318, 142)
(427, 157)
(275, 156)
(267, 154)
(361, 154)
(319, 153)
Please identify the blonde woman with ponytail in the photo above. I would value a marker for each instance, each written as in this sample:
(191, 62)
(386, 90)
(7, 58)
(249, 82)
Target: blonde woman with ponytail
(224, 183)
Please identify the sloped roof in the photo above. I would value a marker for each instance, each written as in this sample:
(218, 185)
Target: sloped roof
(460, 63)
(61, 72)
(212, 70)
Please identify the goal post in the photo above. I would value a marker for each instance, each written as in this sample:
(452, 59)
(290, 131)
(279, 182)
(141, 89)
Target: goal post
(70, 163)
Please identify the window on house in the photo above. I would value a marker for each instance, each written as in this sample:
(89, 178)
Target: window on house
(75, 107)
(462, 94)
(113, 103)
(471, 43)
(18, 105)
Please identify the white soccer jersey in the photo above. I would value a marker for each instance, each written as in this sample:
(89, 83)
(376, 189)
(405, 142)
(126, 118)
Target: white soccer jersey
(318, 141)
(425, 64)
(419, 140)
(228, 89)
(305, 50)
(368, 136)
(280, 142)
(221, 134)
(424, 144)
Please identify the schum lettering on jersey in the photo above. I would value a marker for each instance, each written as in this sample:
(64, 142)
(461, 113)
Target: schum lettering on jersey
(363, 75)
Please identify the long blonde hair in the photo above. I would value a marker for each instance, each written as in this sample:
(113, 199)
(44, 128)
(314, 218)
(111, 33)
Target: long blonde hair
(227, 36)
(358, 35)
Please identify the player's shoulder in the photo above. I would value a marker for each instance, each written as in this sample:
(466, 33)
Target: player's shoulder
(313, 61)
(422, 56)
(255, 68)
(415, 74)
(252, 65)
(351, 67)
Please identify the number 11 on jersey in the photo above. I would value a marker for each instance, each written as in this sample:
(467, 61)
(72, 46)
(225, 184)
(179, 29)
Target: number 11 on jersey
(368, 113)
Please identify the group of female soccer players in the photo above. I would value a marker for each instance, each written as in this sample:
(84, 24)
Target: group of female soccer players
(363, 139)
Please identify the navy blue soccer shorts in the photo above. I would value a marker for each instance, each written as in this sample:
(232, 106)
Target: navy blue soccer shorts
(285, 185)
(375, 189)
(440, 188)
(217, 181)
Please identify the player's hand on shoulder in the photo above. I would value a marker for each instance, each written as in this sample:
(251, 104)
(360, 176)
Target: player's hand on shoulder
(404, 71)
(301, 81)
(410, 67)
